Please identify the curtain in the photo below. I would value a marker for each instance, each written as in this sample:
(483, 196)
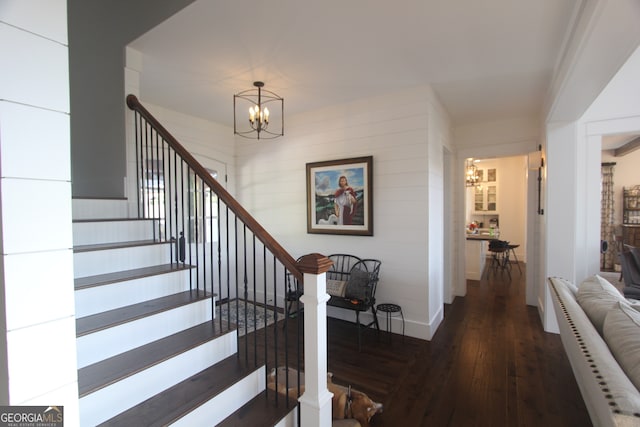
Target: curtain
(607, 227)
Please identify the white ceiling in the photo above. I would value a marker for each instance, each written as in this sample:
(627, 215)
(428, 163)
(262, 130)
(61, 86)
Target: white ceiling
(485, 59)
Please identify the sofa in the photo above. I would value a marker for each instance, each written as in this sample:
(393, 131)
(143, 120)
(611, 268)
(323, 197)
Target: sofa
(600, 332)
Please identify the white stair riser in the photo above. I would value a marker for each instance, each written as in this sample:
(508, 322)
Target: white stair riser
(121, 294)
(99, 208)
(103, 344)
(107, 261)
(220, 407)
(107, 402)
(90, 233)
(291, 420)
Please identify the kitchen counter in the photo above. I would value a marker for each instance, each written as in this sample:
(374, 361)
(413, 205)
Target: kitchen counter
(482, 237)
(476, 255)
(476, 250)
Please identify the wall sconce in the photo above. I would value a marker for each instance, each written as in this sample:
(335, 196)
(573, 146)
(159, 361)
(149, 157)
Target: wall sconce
(536, 161)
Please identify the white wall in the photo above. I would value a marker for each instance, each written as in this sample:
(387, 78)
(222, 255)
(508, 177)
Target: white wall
(394, 129)
(210, 143)
(438, 138)
(38, 359)
(616, 111)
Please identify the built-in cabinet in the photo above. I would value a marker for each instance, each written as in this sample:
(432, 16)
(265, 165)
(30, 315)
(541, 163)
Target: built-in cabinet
(631, 215)
(631, 235)
(485, 199)
(631, 205)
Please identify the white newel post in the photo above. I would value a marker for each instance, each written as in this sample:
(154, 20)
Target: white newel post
(315, 403)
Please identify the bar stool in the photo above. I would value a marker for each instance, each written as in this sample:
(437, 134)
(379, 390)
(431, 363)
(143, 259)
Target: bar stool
(391, 310)
(499, 250)
(511, 249)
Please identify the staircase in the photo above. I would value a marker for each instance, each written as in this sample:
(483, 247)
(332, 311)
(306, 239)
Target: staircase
(149, 350)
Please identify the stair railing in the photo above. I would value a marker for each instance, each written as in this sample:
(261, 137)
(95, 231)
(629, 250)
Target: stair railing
(229, 252)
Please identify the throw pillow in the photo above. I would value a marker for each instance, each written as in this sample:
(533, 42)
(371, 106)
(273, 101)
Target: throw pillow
(635, 253)
(336, 288)
(597, 296)
(569, 285)
(622, 334)
(633, 303)
(357, 285)
(630, 258)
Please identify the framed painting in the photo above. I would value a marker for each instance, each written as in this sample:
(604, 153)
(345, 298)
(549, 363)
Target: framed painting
(340, 196)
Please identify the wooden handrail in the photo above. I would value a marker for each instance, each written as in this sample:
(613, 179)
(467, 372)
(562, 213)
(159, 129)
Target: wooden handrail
(278, 251)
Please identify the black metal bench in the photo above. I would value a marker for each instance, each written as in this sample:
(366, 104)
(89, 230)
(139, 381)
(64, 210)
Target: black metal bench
(356, 289)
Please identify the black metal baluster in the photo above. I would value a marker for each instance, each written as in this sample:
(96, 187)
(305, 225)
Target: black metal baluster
(228, 271)
(196, 225)
(255, 297)
(204, 238)
(163, 228)
(146, 168)
(236, 276)
(275, 329)
(138, 137)
(245, 285)
(156, 169)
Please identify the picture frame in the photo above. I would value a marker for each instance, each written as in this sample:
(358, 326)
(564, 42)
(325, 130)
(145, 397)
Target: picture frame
(338, 207)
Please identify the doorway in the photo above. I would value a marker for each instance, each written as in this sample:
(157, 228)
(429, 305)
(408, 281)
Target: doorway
(496, 207)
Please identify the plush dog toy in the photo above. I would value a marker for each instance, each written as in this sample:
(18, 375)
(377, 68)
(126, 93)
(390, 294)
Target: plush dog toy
(346, 403)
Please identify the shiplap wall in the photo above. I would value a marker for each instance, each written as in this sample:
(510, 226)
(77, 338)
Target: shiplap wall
(212, 144)
(38, 356)
(405, 133)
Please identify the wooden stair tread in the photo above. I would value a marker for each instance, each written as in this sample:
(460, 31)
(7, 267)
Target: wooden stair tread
(106, 372)
(116, 245)
(111, 220)
(171, 404)
(121, 276)
(260, 411)
(119, 316)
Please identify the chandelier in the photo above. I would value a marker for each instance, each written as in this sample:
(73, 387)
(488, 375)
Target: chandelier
(471, 174)
(259, 123)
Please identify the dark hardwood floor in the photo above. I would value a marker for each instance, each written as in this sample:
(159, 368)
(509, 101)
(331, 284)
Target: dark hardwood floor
(489, 364)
